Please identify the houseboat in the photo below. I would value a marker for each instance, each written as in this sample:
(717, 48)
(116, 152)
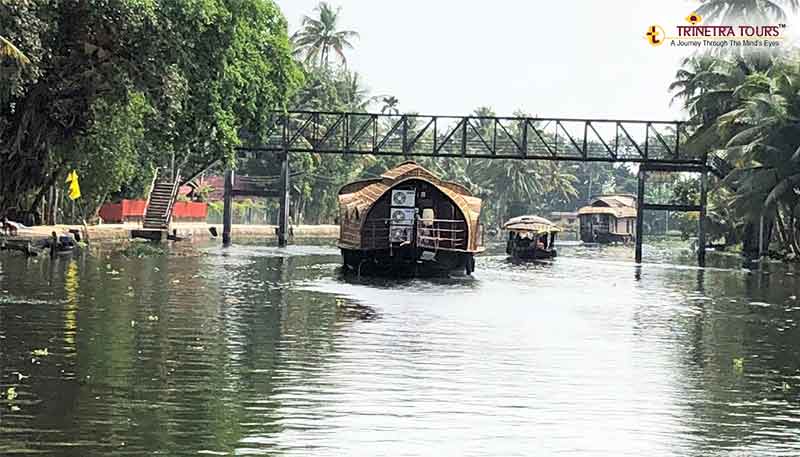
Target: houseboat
(609, 219)
(409, 222)
(531, 237)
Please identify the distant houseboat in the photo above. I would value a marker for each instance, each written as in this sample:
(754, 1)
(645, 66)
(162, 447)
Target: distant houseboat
(531, 237)
(409, 221)
(609, 219)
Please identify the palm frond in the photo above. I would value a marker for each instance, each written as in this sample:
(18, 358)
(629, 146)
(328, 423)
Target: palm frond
(7, 49)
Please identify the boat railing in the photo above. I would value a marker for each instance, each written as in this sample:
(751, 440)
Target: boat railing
(442, 234)
(428, 233)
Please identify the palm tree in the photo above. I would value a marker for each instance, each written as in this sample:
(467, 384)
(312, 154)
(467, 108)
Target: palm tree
(353, 93)
(759, 10)
(698, 74)
(7, 49)
(319, 35)
(559, 183)
(389, 105)
(752, 115)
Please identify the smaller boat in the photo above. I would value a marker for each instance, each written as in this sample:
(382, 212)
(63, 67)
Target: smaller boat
(59, 244)
(531, 237)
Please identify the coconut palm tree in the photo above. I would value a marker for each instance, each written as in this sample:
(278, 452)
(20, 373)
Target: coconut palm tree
(353, 92)
(758, 10)
(319, 35)
(752, 115)
(7, 49)
(389, 105)
(697, 75)
(558, 182)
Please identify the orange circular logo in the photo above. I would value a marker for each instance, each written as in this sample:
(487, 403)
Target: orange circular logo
(655, 35)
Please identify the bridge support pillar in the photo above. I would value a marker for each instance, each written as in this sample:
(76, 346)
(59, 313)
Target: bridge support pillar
(283, 214)
(227, 209)
(701, 221)
(640, 214)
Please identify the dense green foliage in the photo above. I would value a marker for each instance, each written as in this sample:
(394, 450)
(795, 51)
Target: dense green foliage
(134, 83)
(746, 110)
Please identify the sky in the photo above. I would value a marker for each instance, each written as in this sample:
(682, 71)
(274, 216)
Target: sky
(568, 58)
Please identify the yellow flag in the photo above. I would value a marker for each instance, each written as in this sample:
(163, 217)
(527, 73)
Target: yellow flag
(74, 188)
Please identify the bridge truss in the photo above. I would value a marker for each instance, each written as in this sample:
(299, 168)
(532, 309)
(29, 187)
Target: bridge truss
(535, 138)
(654, 145)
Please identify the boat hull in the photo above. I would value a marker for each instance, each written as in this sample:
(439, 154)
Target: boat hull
(408, 262)
(532, 254)
(606, 238)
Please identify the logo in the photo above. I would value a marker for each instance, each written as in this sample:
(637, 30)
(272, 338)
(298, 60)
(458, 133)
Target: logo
(694, 19)
(655, 35)
(696, 34)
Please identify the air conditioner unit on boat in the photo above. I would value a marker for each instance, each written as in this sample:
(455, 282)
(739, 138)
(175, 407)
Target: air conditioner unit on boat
(403, 197)
(400, 234)
(402, 216)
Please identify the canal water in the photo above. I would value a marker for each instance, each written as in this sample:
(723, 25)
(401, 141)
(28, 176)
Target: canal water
(255, 350)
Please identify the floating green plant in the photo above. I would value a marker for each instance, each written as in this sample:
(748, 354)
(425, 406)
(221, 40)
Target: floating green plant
(143, 249)
(40, 352)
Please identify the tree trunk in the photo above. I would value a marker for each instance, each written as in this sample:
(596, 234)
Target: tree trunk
(783, 237)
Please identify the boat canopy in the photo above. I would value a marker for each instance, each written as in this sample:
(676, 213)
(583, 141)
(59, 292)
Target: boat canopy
(534, 224)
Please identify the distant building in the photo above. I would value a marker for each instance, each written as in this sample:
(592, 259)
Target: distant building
(608, 218)
(566, 220)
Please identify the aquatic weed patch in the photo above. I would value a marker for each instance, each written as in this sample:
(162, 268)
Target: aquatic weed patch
(140, 249)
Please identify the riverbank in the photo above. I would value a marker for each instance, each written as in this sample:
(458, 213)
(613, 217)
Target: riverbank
(193, 230)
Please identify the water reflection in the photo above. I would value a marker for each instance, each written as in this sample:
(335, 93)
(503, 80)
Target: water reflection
(259, 350)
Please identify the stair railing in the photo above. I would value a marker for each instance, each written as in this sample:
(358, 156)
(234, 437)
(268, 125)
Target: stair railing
(152, 188)
(173, 196)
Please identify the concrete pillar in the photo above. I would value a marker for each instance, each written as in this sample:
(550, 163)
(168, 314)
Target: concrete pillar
(701, 221)
(227, 210)
(283, 213)
(640, 214)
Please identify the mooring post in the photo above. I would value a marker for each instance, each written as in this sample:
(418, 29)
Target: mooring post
(701, 221)
(761, 237)
(283, 216)
(227, 210)
(640, 214)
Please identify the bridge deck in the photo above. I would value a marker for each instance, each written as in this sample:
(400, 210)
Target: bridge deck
(565, 139)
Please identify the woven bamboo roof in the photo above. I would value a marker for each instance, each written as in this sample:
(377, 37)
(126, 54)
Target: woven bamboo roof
(531, 224)
(362, 195)
(619, 206)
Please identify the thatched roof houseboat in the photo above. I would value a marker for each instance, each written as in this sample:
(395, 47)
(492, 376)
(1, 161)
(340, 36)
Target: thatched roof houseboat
(609, 218)
(409, 220)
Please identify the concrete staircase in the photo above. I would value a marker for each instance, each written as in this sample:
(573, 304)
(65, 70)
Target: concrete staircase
(158, 214)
